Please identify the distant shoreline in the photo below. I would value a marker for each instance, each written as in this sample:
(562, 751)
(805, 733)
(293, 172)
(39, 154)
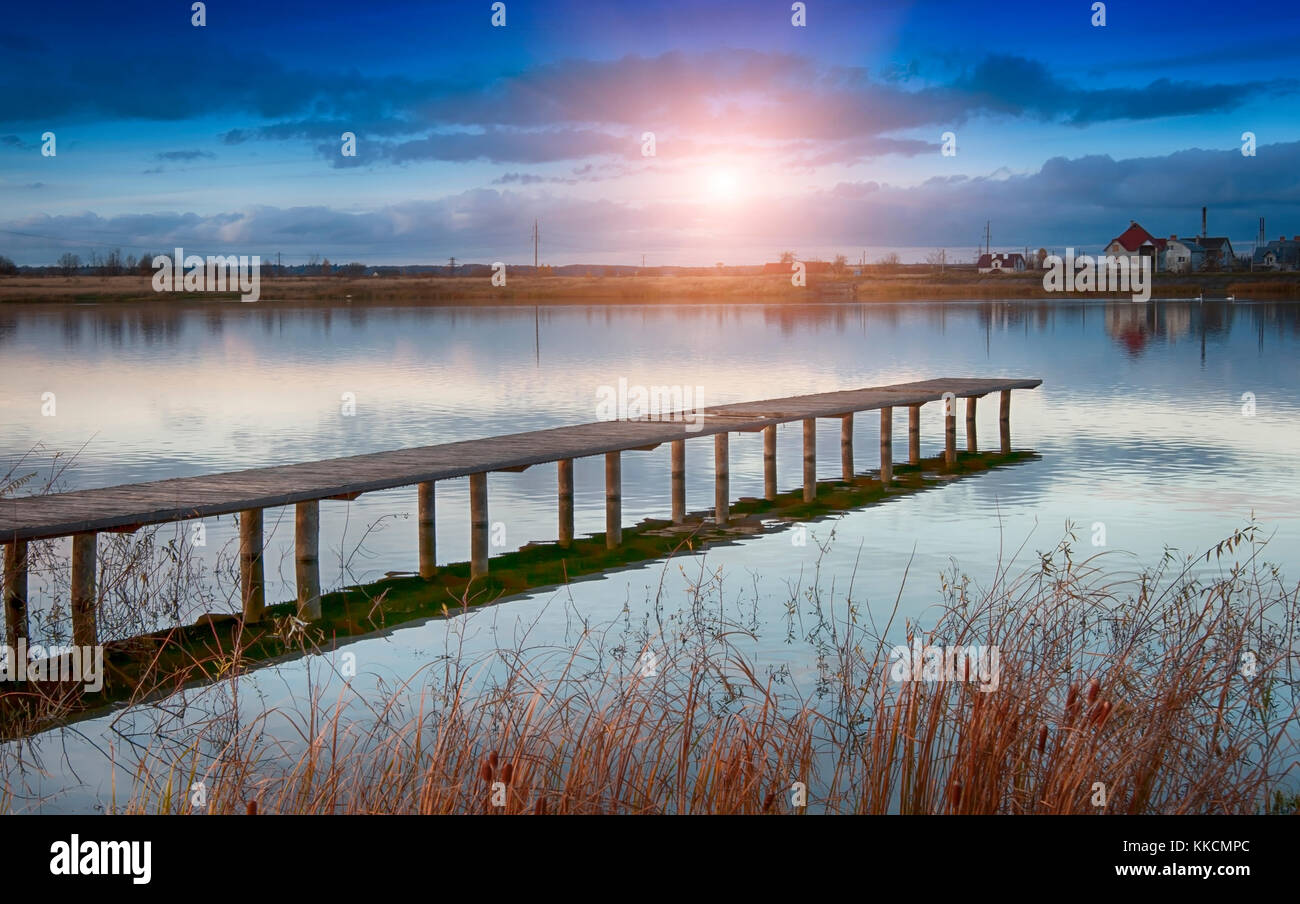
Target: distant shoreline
(905, 284)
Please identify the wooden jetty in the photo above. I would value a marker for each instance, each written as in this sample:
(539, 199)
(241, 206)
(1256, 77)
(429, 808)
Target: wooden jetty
(85, 513)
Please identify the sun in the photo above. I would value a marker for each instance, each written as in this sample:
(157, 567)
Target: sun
(723, 184)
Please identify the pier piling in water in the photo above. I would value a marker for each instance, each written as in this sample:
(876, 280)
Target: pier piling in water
(972, 440)
(15, 592)
(252, 586)
(679, 480)
(886, 445)
(846, 448)
(913, 434)
(478, 525)
(613, 499)
(428, 538)
(810, 459)
(722, 479)
(564, 473)
(1004, 421)
(83, 591)
(306, 539)
(950, 432)
(769, 462)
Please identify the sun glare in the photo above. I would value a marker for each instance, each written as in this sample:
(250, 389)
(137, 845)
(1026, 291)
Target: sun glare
(723, 184)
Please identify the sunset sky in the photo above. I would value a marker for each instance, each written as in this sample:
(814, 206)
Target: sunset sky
(823, 139)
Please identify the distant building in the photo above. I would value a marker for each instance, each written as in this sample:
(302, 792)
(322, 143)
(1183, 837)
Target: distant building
(1001, 263)
(1211, 253)
(1178, 256)
(1135, 243)
(1282, 254)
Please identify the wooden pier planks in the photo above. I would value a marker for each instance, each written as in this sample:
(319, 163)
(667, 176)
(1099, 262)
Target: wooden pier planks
(134, 505)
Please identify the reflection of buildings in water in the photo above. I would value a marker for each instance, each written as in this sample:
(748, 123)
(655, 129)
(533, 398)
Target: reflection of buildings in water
(1134, 326)
(1131, 325)
(1175, 321)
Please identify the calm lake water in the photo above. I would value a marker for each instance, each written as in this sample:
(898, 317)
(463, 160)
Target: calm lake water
(1142, 426)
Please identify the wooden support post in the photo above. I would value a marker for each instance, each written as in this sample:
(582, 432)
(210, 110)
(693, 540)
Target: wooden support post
(306, 542)
(1004, 421)
(252, 586)
(769, 462)
(428, 533)
(846, 448)
(810, 460)
(84, 632)
(886, 445)
(15, 592)
(914, 434)
(721, 479)
(613, 499)
(564, 468)
(972, 442)
(679, 481)
(950, 432)
(478, 525)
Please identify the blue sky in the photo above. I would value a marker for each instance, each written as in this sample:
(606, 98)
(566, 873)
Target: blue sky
(822, 139)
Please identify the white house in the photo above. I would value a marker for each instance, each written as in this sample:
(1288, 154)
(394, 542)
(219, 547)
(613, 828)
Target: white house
(1001, 263)
(1178, 256)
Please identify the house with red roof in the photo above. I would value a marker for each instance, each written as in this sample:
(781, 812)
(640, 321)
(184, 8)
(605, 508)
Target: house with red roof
(1136, 243)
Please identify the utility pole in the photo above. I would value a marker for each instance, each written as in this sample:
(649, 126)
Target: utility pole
(451, 267)
(988, 238)
(536, 242)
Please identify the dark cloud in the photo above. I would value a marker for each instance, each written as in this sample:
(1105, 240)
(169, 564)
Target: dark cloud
(571, 109)
(183, 156)
(1083, 201)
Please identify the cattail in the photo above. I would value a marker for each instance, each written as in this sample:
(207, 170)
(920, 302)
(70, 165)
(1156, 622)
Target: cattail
(539, 808)
(769, 800)
(1101, 714)
(1094, 688)
(1071, 704)
(492, 760)
(1042, 739)
(507, 772)
(956, 794)
(485, 770)
(252, 808)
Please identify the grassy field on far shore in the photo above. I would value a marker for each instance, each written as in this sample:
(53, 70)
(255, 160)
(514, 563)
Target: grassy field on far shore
(904, 284)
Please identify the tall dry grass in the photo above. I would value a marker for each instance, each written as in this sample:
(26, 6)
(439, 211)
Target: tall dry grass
(1162, 691)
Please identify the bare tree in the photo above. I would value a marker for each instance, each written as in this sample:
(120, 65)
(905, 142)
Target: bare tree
(787, 257)
(69, 263)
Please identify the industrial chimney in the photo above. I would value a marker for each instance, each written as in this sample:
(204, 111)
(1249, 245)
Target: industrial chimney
(1202, 222)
